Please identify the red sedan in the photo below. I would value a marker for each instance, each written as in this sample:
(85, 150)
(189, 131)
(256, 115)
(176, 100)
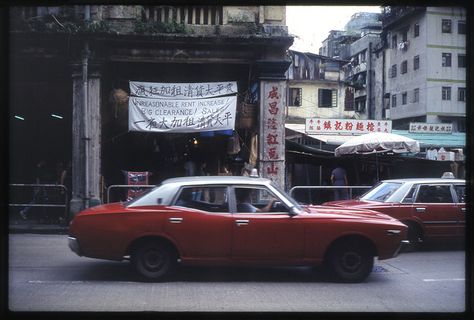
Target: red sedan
(233, 221)
(431, 208)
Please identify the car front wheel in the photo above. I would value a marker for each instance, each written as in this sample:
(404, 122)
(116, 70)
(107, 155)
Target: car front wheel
(351, 261)
(153, 260)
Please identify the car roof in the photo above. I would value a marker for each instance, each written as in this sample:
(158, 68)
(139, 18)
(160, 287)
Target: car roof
(427, 180)
(200, 180)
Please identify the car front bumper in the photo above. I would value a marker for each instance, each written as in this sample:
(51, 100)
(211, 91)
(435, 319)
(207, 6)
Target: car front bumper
(74, 245)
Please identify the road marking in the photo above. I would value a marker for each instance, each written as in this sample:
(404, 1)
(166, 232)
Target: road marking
(452, 279)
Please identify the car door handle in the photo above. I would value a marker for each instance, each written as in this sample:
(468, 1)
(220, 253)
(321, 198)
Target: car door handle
(175, 220)
(420, 209)
(241, 222)
(463, 210)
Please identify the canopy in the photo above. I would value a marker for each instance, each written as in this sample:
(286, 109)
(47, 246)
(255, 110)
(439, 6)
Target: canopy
(376, 142)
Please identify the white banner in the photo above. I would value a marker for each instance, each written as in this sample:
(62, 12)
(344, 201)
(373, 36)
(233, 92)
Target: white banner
(182, 90)
(421, 127)
(166, 115)
(346, 126)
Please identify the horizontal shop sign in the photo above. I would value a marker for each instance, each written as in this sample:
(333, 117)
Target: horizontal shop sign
(421, 127)
(168, 115)
(346, 126)
(182, 90)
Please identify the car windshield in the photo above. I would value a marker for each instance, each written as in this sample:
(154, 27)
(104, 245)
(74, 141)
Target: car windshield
(382, 191)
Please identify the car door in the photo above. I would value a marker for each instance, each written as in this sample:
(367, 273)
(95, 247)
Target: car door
(434, 206)
(460, 197)
(200, 223)
(266, 235)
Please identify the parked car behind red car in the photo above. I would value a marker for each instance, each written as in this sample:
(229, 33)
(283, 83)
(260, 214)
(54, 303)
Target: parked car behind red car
(431, 208)
(196, 221)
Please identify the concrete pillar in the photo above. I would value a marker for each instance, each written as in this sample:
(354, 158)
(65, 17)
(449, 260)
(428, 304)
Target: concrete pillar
(86, 128)
(272, 79)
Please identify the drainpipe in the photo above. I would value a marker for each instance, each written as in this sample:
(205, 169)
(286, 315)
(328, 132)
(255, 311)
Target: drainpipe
(85, 134)
(369, 83)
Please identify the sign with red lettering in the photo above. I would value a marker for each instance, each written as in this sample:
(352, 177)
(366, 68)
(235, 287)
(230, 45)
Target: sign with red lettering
(272, 131)
(346, 126)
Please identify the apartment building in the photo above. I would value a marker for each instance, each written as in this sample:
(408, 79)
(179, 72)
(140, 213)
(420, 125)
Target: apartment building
(425, 65)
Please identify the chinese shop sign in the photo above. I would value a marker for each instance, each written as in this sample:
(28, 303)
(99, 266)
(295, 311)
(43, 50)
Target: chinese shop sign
(184, 113)
(346, 126)
(272, 132)
(421, 127)
(182, 90)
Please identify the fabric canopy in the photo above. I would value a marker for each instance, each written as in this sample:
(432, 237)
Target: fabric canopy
(376, 142)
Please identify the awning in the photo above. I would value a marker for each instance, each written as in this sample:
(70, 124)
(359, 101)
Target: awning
(426, 140)
(436, 140)
(332, 139)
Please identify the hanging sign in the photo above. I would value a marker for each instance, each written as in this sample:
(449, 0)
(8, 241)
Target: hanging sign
(421, 127)
(182, 90)
(346, 126)
(174, 115)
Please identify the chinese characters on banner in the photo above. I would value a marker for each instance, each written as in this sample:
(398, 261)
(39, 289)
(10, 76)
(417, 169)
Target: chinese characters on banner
(182, 90)
(421, 127)
(346, 126)
(272, 134)
(159, 107)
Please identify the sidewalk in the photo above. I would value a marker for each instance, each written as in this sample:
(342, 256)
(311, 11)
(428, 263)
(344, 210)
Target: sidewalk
(29, 226)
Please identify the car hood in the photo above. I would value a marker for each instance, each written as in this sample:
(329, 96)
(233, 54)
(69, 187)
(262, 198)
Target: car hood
(104, 208)
(347, 213)
(354, 203)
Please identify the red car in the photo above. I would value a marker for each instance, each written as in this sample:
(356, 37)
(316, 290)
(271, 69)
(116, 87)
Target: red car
(431, 208)
(233, 221)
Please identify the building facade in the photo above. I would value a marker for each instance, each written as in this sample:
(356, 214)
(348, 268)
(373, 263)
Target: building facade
(314, 87)
(76, 62)
(425, 65)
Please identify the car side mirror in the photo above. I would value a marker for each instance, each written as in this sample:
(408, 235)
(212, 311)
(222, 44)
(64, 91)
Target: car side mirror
(293, 211)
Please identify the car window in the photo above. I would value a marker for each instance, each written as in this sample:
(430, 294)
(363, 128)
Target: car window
(409, 197)
(461, 193)
(257, 200)
(212, 199)
(434, 194)
(382, 191)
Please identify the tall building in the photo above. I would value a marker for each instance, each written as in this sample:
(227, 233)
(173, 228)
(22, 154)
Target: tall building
(425, 65)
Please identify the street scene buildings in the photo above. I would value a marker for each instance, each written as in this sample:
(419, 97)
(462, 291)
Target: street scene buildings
(80, 74)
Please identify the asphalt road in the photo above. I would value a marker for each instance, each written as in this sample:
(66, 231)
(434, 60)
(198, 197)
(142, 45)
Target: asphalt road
(44, 275)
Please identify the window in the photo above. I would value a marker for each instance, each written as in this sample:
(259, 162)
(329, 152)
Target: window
(349, 99)
(461, 94)
(416, 30)
(393, 71)
(461, 27)
(416, 62)
(446, 26)
(446, 93)
(360, 104)
(394, 42)
(327, 98)
(434, 194)
(403, 67)
(461, 193)
(295, 97)
(394, 100)
(404, 98)
(461, 60)
(446, 59)
(257, 200)
(416, 95)
(405, 36)
(363, 56)
(212, 199)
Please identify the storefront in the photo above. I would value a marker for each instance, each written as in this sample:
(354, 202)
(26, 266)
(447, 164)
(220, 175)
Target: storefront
(79, 82)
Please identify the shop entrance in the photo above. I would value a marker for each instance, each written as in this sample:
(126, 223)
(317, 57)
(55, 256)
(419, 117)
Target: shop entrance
(167, 155)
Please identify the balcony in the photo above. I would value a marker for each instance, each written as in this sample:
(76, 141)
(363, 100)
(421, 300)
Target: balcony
(192, 15)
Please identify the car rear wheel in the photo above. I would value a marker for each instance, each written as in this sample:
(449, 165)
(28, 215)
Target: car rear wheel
(154, 260)
(351, 261)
